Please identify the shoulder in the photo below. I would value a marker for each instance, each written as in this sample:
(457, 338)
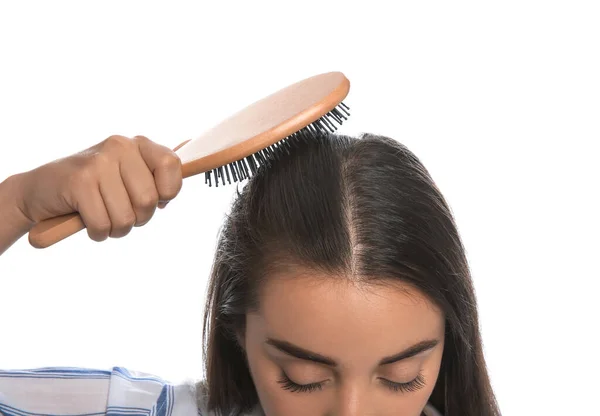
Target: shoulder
(80, 390)
(70, 390)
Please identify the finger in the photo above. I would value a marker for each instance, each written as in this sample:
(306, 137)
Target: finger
(92, 211)
(164, 164)
(140, 186)
(118, 205)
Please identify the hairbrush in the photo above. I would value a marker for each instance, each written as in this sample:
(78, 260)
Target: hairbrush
(249, 140)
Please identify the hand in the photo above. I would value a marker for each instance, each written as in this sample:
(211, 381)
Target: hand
(114, 185)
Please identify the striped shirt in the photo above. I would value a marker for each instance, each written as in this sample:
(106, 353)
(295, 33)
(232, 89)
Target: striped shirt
(62, 391)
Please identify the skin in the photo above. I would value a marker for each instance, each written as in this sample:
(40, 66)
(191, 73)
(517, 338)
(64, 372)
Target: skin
(356, 325)
(114, 185)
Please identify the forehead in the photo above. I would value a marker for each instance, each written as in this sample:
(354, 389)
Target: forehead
(335, 316)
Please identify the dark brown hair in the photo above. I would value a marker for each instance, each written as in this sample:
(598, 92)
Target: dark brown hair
(364, 207)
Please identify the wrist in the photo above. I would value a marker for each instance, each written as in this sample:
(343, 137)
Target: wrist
(12, 204)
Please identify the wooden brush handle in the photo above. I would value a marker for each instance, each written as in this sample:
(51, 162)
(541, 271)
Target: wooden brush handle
(48, 232)
(51, 231)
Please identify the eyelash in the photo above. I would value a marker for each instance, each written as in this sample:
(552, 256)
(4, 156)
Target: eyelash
(413, 385)
(288, 384)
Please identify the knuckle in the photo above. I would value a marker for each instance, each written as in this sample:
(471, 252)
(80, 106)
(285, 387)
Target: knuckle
(126, 221)
(148, 200)
(169, 162)
(99, 232)
(143, 219)
(169, 193)
(101, 159)
(103, 228)
(142, 139)
(117, 142)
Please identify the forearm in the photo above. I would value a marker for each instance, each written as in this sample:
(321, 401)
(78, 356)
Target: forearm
(13, 223)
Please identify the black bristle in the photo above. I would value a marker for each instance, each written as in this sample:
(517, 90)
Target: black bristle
(276, 151)
(315, 126)
(245, 167)
(266, 158)
(268, 153)
(342, 109)
(302, 136)
(239, 174)
(261, 158)
(339, 114)
(251, 164)
(322, 126)
(330, 117)
(287, 147)
(227, 173)
(233, 174)
(240, 170)
(293, 141)
(334, 116)
(323, 129)
(327, 124)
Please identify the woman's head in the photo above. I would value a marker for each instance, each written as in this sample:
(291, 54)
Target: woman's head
(340, 287)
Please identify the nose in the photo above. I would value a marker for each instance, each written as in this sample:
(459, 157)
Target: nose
(353, 400)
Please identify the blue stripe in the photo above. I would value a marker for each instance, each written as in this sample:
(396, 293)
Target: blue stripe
(54, 376)
(13, 411)
(124, 414)
(164, 404)
(126, 411)
(140, 409)
(68, 369)
(72, 370)
(56, 372)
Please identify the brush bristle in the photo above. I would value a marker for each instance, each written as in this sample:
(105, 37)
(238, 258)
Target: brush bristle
(247, 167)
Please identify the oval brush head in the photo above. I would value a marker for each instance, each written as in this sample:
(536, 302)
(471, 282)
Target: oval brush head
(236, 148)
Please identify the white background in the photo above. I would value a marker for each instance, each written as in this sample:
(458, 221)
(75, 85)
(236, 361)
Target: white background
(500, 101)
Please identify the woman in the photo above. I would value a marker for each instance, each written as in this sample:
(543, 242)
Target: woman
(339, 287)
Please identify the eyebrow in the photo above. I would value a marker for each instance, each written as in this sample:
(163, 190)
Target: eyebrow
(304, 354)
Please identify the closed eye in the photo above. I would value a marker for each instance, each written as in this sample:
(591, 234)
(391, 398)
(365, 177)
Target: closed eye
(413, 385)
(288, 384)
